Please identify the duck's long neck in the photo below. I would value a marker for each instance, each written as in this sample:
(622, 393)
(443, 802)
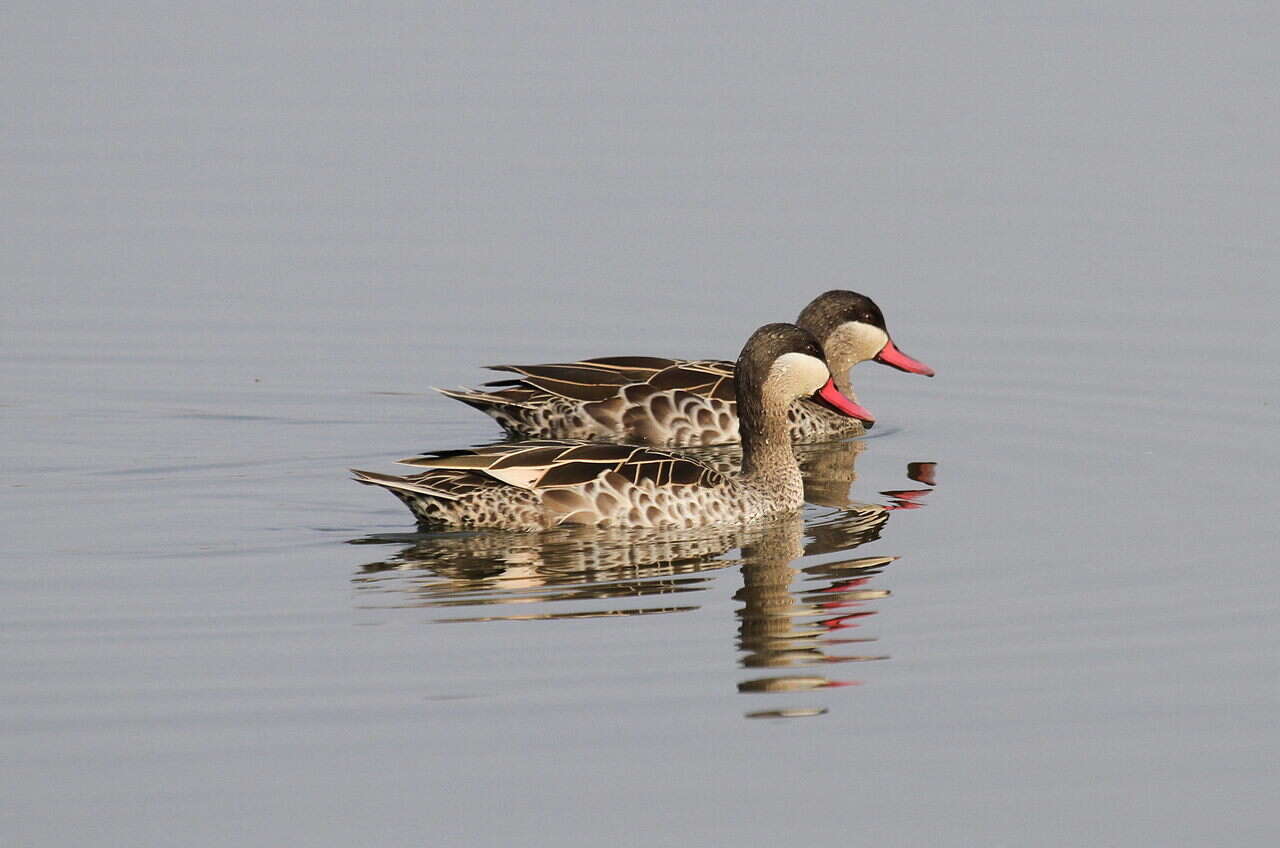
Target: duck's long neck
(768, 460)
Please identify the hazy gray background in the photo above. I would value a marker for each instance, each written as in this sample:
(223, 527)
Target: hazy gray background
(232, 229)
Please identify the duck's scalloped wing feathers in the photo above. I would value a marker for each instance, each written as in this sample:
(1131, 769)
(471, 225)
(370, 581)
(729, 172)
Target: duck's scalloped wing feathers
(648, 364)
(593, 380)
(539, 465)
(572, 380)
(708, 378)
(569, 372)
(629, 368)
(586, 392)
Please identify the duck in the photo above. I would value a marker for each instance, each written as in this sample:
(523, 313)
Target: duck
(542, 484)
(664, 402)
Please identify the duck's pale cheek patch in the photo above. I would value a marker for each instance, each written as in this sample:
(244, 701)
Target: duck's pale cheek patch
(794, 375)
(854, 341)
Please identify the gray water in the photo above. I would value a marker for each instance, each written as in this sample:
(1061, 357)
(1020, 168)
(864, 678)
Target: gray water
(242, 242)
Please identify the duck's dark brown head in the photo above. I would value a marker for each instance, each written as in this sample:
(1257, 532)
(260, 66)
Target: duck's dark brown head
(851, 328)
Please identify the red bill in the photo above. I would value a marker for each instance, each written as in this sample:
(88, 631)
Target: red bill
(831, 396)
(890, 355)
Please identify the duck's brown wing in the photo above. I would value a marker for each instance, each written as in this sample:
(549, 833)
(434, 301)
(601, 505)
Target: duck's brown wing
(586, 380)
(710, 378)
(541, 465)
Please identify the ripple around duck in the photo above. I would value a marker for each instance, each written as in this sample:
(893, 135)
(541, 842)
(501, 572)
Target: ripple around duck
(794, 606)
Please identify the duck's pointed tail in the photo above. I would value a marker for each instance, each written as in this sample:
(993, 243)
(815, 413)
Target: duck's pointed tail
(483, 401)
(515, 409)
(408, 485)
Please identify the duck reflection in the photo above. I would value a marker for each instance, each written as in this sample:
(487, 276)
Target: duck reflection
(569, 564)
(798, 604)
(782, 625)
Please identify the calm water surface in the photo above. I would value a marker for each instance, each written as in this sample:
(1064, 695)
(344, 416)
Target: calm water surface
(1038, 606)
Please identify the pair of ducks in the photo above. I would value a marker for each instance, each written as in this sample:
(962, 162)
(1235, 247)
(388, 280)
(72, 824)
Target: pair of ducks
(781, 389)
